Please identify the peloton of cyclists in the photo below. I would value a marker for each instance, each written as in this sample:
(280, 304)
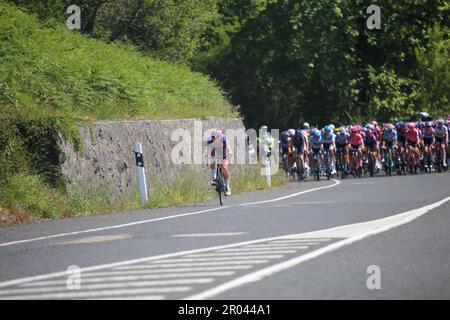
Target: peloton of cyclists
(354, 146)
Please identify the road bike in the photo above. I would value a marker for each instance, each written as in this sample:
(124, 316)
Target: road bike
(220, 181)
(316, 165)
(356, 167)
(389, 163)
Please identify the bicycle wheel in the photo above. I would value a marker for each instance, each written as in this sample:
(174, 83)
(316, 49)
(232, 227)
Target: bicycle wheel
(299, 170)
(220, 184)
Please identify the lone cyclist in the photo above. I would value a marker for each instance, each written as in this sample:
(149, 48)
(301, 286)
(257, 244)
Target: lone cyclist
(218, 143)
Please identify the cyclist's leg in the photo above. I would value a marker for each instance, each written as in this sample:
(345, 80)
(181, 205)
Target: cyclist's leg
(213, 172)
(226, 177)
(444, 154)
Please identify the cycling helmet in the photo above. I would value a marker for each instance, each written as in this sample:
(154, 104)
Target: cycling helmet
(429, 124)
(370, 126)
(306, 126)
(400, 124)
(316, 133)
(328, 129)
(355, 129)
(332, 127)
(291, 132)
(342, 131)
(264, 128)
(411, 125)
(440, 122)
(217, 134)
(298, 132)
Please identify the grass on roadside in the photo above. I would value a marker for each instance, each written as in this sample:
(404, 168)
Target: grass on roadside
(27, 198)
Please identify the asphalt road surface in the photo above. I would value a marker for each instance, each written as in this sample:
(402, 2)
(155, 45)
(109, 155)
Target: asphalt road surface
(378, 238)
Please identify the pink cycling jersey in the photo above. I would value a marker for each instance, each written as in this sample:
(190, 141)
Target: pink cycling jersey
(355, 139)
(412, 135)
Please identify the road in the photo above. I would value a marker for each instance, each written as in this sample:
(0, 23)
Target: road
(378, 238)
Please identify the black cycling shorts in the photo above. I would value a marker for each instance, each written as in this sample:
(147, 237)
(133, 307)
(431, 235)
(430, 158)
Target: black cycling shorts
(427, 141)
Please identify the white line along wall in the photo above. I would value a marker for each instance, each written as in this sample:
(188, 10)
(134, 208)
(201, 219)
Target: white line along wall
(106, 163)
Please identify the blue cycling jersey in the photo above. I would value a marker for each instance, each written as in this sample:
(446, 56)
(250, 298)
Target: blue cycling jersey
(315, 143)
(342, 138)
(389, 136)
(328, 139)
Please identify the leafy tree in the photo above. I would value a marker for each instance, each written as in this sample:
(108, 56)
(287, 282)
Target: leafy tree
(167, 29)
(434, 71)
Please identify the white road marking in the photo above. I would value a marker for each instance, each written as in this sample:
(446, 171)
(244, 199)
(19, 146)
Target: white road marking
(281, 247)
(97, 286)
(95, 239)
(214, 263)
(119, 278)
(301, 241)
(292, 243)
(234, 254)
(194, 235)
(152, 269)
(152, 275)
(336, 182)
(95, 294)
(256, 250)
(243, 259)
(134, 298)
(351, 233)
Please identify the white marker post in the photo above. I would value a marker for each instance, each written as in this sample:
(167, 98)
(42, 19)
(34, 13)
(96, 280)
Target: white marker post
(140, 172)
(266, 152)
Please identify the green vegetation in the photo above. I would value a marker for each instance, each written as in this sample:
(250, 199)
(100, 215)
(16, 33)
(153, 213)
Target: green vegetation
(287, 61)
(54, 71)
(27, 197)
(190, 188)
(50, 80)
(170, 30)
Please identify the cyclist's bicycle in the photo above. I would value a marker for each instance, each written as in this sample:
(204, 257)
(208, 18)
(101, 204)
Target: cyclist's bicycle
(341, 166)
(389, 163)
(413, 159)
(428, 158)
(438, 159)
(220, 180)
(300, 170)
(330, 166)
(371, 161)
(356, 168)
(401, 163)
(316, 165)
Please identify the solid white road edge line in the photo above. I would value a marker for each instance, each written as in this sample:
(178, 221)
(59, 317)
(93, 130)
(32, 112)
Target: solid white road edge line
(336, 182)
(360, 231)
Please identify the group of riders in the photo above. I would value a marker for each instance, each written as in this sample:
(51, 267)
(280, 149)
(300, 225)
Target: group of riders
(357, 149)
(348, 150)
